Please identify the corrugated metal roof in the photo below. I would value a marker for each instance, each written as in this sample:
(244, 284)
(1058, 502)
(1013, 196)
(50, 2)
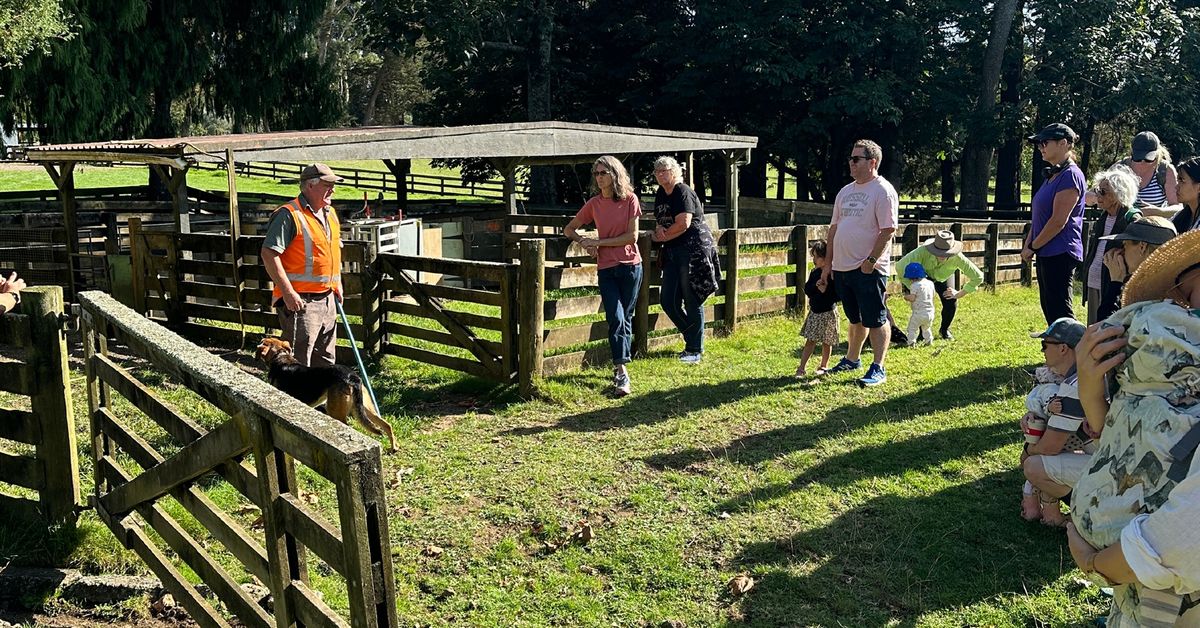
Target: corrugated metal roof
(541, 142)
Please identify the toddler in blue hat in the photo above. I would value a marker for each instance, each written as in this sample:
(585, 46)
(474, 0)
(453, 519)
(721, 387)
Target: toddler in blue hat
(920, 295)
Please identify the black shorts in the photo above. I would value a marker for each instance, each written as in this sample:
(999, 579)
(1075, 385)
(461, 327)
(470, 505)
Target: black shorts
(862, 296)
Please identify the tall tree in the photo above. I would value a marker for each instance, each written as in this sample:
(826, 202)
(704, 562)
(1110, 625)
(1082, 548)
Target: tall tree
(30, 25)
(981, 137)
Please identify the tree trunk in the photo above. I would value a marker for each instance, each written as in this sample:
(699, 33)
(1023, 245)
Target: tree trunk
(977, 152)
(752, 181)
(780, 183)
(1085, 138)
(949, 193)
(1008, 158)
(803, 183)
(541, 178)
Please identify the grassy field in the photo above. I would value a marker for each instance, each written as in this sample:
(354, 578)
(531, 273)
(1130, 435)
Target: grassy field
(848, 507)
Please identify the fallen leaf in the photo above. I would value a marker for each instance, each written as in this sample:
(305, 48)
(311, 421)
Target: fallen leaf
(739, 585)
(247, 510)
(672, 623)
(724, 515)
(537, 529)
(433, 551)
(583, 533)
(258, 523)
(589, 570)
(312, 498)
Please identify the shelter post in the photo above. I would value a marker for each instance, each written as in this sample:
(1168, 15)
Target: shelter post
(733, 159)
(691, 169)
(64, 180)
(508, 170)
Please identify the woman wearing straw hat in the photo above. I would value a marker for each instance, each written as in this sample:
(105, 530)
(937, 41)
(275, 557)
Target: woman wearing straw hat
(1135, 510)
(941, 256)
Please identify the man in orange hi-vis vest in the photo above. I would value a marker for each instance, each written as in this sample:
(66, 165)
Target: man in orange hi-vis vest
(302, 254)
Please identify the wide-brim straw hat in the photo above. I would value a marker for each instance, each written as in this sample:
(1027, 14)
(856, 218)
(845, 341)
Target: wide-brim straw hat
(1157, 274)
(943, 244)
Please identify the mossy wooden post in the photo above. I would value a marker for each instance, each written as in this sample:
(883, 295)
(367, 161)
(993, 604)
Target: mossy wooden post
(1026, 266)
(991, 256)
(57, 452)
(137, 264)
(509, 321)
(372, 303)
(800, 246)
(731, 280)
(532, 290)
(285, 557)
(641, 312)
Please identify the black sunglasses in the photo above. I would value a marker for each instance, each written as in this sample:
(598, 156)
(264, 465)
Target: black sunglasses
(598, 173)
(1048, 343)
(856, 158)
(1145, 161)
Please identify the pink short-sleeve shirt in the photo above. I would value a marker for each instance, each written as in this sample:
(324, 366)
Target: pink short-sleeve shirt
(612, 220)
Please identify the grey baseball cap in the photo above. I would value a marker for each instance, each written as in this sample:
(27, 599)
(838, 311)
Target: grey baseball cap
(1065, 330)
(1145, 146)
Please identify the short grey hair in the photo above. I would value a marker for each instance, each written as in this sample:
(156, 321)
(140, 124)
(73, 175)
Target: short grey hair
(1123, 181)
(307, 183)
(667, 162)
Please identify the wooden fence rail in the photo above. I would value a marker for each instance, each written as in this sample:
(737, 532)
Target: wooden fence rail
(34, 366)
(273, 430)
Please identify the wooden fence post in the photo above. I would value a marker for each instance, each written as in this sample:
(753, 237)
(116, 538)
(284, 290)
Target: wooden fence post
(731, 280)
(1026, 267)
(641, 313)
(800, 246)
(137, 264)
(911, 239)
(532, 290)
(57, 453)
(372, 303)
(991, 257)
(510, 319)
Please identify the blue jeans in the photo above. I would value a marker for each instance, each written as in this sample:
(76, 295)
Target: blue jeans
(619, 290)
(678, 301)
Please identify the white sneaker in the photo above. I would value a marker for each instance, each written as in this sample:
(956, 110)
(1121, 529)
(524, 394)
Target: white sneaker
(621, 383)
(690, 358)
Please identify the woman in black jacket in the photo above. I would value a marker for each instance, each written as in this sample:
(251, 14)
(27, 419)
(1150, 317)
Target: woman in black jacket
(1115, 191)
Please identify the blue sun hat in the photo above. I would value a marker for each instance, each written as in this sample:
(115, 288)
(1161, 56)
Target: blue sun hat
(914, 271)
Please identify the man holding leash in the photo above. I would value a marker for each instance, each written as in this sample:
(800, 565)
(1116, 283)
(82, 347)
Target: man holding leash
(302, 254)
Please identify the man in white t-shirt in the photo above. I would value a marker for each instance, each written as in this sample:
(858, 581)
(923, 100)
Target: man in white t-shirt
(865, 215)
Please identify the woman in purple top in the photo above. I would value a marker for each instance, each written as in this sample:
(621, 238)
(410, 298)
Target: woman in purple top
(1056, 237)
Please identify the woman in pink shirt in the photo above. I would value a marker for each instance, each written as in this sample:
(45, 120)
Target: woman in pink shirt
(614, 210)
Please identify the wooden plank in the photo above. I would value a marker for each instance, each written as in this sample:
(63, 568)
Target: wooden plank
(133, 537)
(431, 335)
(189, 463)
(23, 471)
(756, 283)
(17, 377)
(403, 285)
(20, 426)
(466, 318)
(470, 367)
(758, 307)
(760, 235)
(312, 531)
(762, 259)
(576, 334)
(204, 267)
(310, 609)
(486, 271)
(573, 307)
(21, 509)
(558, 277)
(230, 315)
(224, 529)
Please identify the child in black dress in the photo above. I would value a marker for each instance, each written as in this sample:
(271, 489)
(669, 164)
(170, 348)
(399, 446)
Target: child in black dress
(821, 324)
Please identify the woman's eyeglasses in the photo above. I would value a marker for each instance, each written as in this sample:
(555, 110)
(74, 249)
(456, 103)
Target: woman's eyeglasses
(1100, 191)
(601, 173)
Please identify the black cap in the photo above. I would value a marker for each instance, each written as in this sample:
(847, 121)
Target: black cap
(1145, 146)
(1056, 131)
(1144, 231)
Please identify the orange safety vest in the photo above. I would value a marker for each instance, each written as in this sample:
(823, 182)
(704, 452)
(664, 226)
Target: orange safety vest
(313, 259)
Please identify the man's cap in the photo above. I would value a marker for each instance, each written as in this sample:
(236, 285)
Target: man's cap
(319, 171)
(1145, 146)
(1065, 330)
(943, 244)
(1144, 231)
(914, 271)
(1056, 131)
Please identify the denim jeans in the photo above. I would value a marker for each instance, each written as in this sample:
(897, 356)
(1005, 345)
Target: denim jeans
(619, 290)
(678, 301)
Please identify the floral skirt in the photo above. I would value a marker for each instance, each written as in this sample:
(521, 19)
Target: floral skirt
(821, 327)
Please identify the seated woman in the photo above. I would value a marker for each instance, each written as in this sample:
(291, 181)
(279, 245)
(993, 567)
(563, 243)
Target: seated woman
(1135, 513)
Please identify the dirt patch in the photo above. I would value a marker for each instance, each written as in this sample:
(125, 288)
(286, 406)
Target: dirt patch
(72, 621)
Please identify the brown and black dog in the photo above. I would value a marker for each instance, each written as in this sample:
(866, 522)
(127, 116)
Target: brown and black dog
(338, 387)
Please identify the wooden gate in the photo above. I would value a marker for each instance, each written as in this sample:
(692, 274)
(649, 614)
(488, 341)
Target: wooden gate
(185, 467)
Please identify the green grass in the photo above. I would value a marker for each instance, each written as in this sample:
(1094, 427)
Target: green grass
(896, 505)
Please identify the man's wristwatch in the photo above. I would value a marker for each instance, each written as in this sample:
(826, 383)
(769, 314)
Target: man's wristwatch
(872, 259)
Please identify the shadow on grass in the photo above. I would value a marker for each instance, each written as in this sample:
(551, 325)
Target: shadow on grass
(895, 557)
(967, 389)
(921, 454)
(659, 406)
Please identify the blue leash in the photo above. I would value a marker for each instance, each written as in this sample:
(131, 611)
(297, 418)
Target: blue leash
(354, 347)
